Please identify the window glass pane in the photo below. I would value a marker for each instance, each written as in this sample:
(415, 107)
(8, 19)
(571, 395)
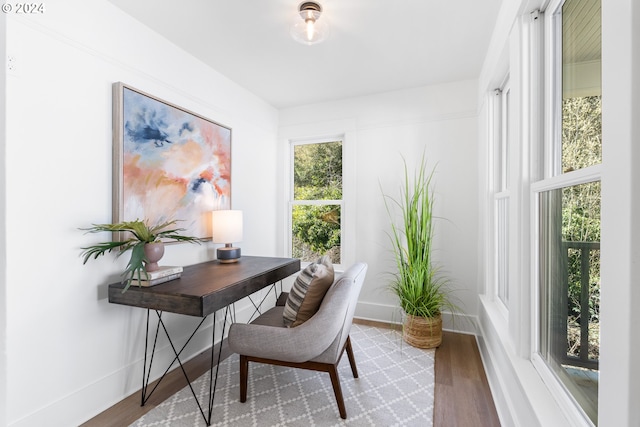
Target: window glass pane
(316, 232)
(504, 140)
(502, 244)
(317, 201)
(581, 84)
(570, 294)
(317, 171)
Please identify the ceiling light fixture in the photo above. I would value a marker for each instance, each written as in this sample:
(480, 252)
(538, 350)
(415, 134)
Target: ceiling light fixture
(307, 28)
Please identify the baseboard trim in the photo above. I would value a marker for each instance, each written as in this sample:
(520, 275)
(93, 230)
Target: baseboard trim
(377, 323)
(123, 385)
(392, 315)
(128, 409)
(84, 403)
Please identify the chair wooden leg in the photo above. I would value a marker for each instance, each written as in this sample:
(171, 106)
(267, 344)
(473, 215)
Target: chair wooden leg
(352, 360)
(335, 381)
(332, 369)
(244, 374)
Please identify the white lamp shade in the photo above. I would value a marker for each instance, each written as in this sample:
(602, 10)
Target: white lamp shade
(226, 226)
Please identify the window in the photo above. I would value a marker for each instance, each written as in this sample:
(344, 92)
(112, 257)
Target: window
(501, 191)
(316, 201)
(568, 206)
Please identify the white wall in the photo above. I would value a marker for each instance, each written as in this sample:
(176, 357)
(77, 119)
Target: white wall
(439, 120)
(71, 354)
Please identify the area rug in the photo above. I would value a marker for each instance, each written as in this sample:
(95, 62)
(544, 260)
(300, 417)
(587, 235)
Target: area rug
(395, 388)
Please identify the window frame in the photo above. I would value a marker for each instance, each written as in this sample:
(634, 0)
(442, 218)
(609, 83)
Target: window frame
(502, 194)
(547, 154)
(500, 127)
(292, 202)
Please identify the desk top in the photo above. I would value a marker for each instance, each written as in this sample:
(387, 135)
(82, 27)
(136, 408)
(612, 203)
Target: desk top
(206, 287)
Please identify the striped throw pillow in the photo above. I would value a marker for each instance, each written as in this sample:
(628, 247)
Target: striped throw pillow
(307, 292)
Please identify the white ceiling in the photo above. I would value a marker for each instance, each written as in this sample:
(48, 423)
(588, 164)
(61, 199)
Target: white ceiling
(373, 46)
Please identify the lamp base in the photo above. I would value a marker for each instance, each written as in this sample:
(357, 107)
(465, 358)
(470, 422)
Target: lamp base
(228, 255)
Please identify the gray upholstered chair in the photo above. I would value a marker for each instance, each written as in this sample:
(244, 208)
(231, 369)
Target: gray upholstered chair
(317, 344)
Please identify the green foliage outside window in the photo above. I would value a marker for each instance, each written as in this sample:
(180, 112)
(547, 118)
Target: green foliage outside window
(581, 132)
(582, 147)
(316, 230)
(317, 176)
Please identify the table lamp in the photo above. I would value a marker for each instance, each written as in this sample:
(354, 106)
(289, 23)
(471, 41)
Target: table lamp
(226, 227)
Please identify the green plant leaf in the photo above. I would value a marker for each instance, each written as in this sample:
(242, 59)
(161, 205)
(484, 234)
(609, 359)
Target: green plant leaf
(417, 282)
(139, 233)
(135, 266)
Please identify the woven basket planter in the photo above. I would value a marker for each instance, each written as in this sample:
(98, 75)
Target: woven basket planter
(422, 332)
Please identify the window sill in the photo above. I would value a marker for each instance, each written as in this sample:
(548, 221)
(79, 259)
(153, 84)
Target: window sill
(520, 394)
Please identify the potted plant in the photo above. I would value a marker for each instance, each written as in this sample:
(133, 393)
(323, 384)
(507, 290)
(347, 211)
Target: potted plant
(418, 284)
(145, 242)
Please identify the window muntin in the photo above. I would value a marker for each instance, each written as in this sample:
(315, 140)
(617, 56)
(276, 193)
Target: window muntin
(316, 200)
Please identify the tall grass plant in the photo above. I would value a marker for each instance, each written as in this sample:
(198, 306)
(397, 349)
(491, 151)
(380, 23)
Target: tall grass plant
(418, 283)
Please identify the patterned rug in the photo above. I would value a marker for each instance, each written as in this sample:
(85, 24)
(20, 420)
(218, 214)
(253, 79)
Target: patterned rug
(394, 388)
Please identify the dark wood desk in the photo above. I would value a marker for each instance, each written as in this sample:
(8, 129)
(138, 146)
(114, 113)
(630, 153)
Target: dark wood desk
(201, 290)
(207, 287)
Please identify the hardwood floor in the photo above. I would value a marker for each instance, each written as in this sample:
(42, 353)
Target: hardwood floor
(462, 394)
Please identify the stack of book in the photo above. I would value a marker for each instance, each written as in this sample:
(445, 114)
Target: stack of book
(162, 275)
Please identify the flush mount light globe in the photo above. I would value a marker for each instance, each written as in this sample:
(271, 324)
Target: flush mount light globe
(307, 28)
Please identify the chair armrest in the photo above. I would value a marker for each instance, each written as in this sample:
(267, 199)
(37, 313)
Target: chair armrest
(297, 345)
(309, 340)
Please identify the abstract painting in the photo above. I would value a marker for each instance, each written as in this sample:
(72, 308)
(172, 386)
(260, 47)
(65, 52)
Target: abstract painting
(169, 163)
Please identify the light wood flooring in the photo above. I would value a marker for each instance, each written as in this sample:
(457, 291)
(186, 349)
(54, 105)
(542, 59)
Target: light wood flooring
(462, 394)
